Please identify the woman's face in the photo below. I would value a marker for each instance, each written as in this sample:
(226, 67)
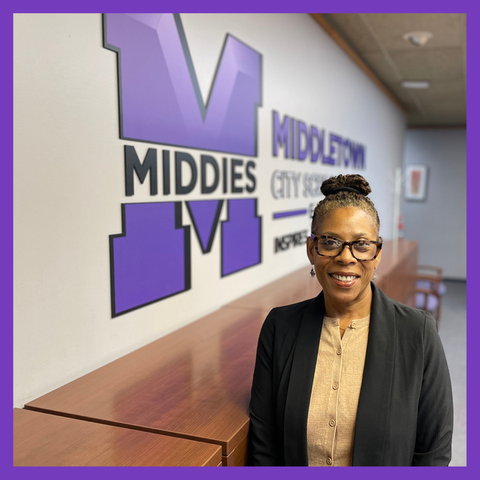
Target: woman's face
(347, 224)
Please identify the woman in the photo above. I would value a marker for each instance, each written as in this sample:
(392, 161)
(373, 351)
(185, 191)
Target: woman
(349, 377)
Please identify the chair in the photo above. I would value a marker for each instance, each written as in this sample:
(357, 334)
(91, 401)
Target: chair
(429, 289)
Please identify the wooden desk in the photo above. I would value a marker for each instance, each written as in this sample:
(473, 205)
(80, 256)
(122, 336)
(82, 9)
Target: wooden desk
(40, 439)
(194, 383)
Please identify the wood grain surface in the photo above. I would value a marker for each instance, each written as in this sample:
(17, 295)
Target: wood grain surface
(398, 269)
(40, 439)
(194, 383)
(238, 458)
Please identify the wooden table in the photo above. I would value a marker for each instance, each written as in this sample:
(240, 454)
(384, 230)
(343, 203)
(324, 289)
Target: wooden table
(40, 439)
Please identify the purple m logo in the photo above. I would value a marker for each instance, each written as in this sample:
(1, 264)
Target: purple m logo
(160, 99)
(151, 259)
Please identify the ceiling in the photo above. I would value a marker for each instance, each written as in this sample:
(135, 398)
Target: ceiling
(377, 39)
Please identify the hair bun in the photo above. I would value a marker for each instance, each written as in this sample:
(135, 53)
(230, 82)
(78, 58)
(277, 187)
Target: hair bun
(356, 182)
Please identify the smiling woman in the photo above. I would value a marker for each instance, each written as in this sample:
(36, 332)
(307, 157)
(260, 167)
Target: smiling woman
(350, 377)
(348, 234)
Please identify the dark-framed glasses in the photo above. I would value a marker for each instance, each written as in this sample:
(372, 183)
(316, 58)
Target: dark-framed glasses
(363, 250)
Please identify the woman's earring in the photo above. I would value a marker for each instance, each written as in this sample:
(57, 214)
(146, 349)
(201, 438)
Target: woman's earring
(312, 272)
(374, 275)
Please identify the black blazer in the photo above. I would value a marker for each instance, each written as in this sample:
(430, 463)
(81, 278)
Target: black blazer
(405, 411)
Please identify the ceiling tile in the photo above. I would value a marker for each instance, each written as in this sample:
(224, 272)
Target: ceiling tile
(403, 95)
(452, 90)
(445, 107)
(381, 67)
(439, 91)
(447, 29)
(415, 119)
(433, 64)
(354, 31)
(377, 39)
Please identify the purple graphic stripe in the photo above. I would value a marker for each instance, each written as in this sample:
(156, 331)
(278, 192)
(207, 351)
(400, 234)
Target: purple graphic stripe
(160, 98)
(291, 213)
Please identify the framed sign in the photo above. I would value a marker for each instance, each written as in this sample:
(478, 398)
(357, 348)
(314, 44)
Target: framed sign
(416, 182)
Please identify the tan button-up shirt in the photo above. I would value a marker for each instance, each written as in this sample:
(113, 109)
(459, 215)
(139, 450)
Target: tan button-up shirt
(335, 392)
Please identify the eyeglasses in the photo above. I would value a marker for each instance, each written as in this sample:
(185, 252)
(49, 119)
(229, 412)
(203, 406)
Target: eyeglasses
(363, 250)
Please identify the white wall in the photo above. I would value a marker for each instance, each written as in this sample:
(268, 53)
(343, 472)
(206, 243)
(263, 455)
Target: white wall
(439, 224)
(69, 180)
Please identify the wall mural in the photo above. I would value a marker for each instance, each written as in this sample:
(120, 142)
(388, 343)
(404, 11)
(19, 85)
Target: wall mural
(160, 102)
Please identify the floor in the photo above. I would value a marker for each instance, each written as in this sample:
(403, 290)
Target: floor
(452, 330)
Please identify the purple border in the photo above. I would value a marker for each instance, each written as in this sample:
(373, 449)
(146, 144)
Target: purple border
(290, 213)
(248, 6)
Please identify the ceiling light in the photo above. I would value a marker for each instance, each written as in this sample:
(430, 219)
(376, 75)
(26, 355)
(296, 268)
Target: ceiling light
(416, 84)
(419, 39)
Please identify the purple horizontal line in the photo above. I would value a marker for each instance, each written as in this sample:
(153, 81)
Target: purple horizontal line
(291, 213)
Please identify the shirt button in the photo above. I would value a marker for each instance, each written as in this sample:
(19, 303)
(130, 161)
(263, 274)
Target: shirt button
(352, 325)
(335, 386)
(331, 423)
(329, 461)
(339, 351)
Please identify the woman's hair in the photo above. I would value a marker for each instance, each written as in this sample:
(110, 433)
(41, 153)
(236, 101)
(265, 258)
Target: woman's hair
(345, 191)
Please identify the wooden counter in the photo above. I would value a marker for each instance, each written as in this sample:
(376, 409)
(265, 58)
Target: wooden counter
(40, 439)
(195, 383)
(398, 269)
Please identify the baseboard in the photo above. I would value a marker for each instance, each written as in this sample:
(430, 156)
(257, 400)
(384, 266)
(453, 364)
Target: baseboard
(458, 280)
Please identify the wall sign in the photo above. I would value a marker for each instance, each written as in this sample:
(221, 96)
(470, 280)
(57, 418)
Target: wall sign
(160, 103)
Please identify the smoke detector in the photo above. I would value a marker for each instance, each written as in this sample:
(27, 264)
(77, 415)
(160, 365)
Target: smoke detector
(419, 39)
